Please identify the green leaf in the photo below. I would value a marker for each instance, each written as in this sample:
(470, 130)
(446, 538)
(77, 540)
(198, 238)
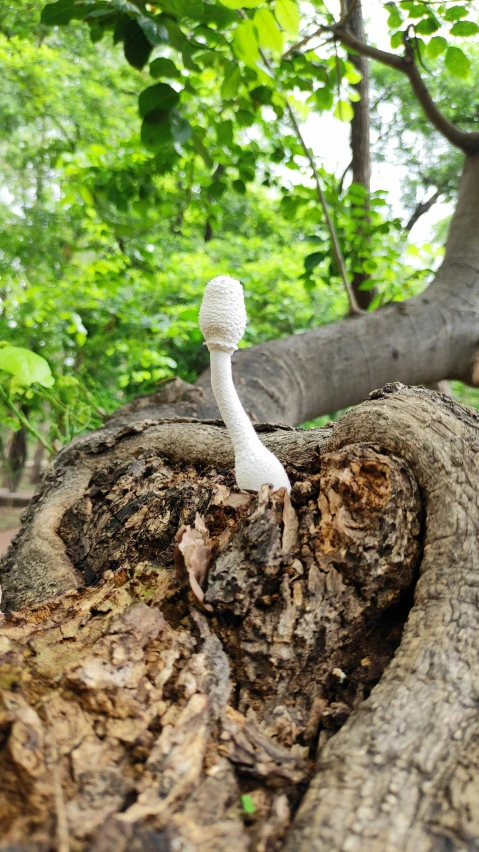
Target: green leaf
(464, 28)
(415, 10)
(245, 118)
(287, 16)
(352, 74)
(427, 26)
(248, 805)
(232, 4)
(158, 97)
(457, 62)
(343, 111)
(245, 43)
(157, 31)
(313, 260)
(269, 35)
(436, 46)
(394, 21)
(216, 189)
(224, 133)
(218, 15)
(241, 4)
(163, 67)
(156, 132)
(26, 366)
(239, 187)
(357, 190)
(455, 13)
(64, 11)
(57, 14)
(397, 39)
(136, 46)
(122, 6)
(324, 98)
(262, 95)
(230, 84)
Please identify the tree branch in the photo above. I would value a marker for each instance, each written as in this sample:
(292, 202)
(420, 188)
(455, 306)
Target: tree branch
(302, 43)
(421, 209)
(462, 139)
(467, 142)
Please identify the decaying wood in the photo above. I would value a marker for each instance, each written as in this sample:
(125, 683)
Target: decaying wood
(250, 726)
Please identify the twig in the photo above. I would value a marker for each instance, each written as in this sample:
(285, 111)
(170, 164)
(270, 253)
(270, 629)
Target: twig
(337, 254)
(341, 179)
(301, 43)
(18, 413)
(341, 23)
(421, 209)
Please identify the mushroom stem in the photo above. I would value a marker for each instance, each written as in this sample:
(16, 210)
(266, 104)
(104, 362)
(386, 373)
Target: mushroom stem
(240, 428)
(223, 321)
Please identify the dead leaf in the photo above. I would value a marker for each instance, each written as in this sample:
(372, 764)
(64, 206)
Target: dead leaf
(238, 500)
(193, 553)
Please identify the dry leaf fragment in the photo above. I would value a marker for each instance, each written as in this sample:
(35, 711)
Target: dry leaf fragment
(291, 524)
(193, 553)
(238, 500)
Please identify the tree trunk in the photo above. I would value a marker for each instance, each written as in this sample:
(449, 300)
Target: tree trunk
(15, 460)
(36, 471)
(360, 134)
(137, 717)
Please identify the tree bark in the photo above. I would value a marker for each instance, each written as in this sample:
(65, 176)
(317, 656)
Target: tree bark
(133, 720)
(360, 135)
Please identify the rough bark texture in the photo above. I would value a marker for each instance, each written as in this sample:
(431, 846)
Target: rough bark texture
(431, 337)
(134, 719)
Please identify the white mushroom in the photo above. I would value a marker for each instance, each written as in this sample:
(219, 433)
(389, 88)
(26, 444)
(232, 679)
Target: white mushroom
(223, 322)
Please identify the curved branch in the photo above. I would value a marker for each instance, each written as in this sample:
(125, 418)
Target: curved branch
(421, 209)
(467, 142)
(462, 139)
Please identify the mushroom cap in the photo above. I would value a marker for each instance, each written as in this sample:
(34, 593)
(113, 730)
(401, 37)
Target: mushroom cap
(222, 314)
